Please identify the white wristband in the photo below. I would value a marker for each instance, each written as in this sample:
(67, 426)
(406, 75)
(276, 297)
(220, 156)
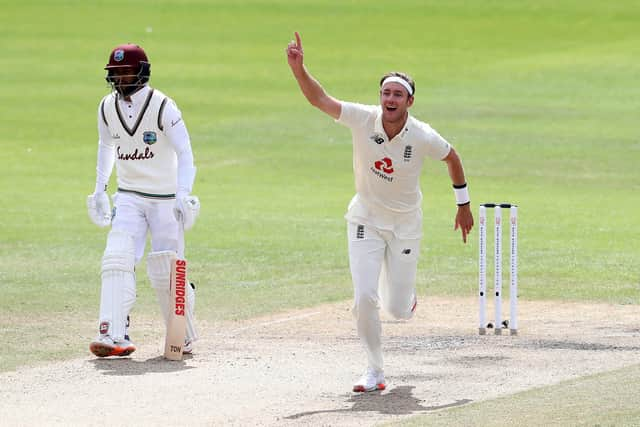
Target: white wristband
(462, 194)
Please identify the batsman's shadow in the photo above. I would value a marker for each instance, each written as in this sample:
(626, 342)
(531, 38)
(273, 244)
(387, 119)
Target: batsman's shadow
(399, 401)
(127, 366)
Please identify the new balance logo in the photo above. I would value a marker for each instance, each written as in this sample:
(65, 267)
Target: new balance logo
(377, 138)
(360, 232)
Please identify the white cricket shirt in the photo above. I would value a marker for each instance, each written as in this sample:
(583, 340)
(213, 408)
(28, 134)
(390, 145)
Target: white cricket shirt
(387, 173)
(147, 140)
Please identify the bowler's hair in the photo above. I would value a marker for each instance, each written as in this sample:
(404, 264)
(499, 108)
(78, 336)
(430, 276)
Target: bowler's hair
(403, 76)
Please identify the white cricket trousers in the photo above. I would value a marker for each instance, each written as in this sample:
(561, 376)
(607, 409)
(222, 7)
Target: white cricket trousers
(137, 216)
(383, 270)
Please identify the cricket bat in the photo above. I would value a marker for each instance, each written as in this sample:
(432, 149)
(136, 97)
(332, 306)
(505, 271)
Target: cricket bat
(176, 326)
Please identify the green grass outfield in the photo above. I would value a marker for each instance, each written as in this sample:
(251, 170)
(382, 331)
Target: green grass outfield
(540, 98)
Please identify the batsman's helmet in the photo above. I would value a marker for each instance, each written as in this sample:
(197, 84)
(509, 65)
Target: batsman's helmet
(133, 58)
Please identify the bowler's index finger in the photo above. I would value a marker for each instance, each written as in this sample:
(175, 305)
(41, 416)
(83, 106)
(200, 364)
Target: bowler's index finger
(298, 41)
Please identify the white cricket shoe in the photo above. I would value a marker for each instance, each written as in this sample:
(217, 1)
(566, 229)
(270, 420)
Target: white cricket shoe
(188, 347)
(372, 380)
(104, 346)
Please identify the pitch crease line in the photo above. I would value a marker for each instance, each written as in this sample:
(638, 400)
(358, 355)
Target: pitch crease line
(274, 322)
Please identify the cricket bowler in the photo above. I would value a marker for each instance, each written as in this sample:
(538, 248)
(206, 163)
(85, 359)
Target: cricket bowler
(384, 218)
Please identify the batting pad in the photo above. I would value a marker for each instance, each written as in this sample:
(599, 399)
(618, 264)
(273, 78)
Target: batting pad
(118, 292)
(159, 271)
(192, 334)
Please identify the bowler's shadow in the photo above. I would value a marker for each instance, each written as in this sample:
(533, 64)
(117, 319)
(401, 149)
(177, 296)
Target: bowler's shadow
(126, 366)
(399, 401)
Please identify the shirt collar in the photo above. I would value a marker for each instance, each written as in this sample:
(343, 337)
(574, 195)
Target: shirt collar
(140, 96)
(378, 128)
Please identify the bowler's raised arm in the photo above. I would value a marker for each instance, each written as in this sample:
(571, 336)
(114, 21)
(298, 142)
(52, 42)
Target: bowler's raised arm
(309, 86)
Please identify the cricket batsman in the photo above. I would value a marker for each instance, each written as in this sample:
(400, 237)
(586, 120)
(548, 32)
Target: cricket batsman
(142, 132)
(384, 218)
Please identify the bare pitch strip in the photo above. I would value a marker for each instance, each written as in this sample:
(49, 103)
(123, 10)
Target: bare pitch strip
(499, 323)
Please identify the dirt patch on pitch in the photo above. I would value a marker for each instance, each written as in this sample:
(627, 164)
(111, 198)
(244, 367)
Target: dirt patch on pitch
(297, 368)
